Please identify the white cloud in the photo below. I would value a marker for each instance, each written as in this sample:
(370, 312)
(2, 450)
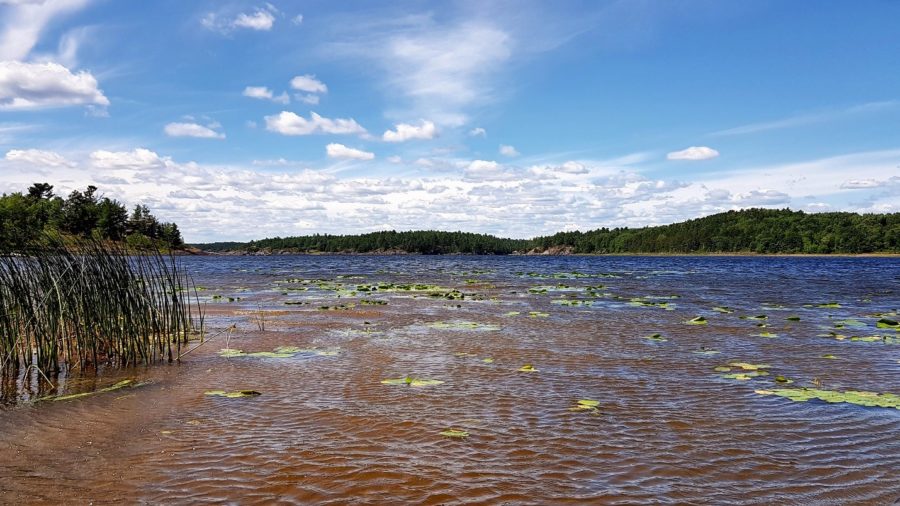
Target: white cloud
(262, 19)
(509, 151)
(693, 153)
(309, 84)
(38, 157)
(297, 20)
(478, 132)
(395, 159)
(307, 98)
(289, 123)
(45, 85)
(335, 150)
(137, 159)
(264, 93)
(404, 132)
(192, 130)
(24, 21)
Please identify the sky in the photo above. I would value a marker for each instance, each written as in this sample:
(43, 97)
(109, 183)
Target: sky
(241, 120)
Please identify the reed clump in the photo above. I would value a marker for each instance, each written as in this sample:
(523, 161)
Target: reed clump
(91, 302)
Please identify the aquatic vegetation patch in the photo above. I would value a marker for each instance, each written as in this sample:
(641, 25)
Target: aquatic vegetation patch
(793, 318)
(886, 323)
(412, 382)
(699, 320)
(706, 351)
(127, 383)
(512, 313)
(643, 302)
(464, 325)
(232, 395)
(538, 314)
(279, 352)
(860, 398)
(770, 335)
(757, 317)
(455, 433)
(527, 368)
(723, 309)
(572, 302)
(656, 337)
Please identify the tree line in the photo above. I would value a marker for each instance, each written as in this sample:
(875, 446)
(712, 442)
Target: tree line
(744, 231)
(26, 216)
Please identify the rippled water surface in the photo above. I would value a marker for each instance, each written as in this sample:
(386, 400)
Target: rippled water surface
(668, 427)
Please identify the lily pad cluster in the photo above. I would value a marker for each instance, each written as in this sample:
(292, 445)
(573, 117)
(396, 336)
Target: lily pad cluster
(860, 398)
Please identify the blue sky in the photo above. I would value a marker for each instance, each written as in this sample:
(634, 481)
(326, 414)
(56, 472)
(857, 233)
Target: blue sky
(242, 120)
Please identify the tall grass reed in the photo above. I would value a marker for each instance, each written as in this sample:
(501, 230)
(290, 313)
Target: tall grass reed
(89, 303)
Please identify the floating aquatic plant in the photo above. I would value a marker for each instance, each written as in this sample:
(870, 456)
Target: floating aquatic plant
(538, 314)
(767, 334)
(527, 368)
(463, 325)
(413, 382)
(130, 383)
(886, 323)
(512, 313)
(706, 351)
(723, 309)
(750, 367)
(586, 405)
(279, 352)
(656, 337)
(860, 398)
(232, 395)
(699, 320)
(455, 433)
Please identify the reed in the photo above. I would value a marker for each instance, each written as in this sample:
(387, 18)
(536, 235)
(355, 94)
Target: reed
(65, 304)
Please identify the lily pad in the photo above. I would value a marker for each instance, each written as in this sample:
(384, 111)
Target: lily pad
(527, 368)
(699, 320)
(767, 334)
(861, 398)
(750, 367)
(656, 337)
(886, 323)
(464, 325)
(455, 433)
(413, 382)
(723, 309)
(586, 404)
(829, 356)
(538, 314)
(706, 351)
(793, 318)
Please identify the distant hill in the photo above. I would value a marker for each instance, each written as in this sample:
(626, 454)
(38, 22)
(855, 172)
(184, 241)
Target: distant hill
(746, 231)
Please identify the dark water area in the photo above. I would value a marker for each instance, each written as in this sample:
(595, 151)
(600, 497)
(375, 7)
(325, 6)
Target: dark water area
(668, 426)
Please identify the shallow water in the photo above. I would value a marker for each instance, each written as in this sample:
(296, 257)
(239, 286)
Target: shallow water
(669, 429)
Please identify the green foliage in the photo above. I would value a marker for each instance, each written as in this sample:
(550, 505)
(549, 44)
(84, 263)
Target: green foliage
(746, 231)
(26, 217)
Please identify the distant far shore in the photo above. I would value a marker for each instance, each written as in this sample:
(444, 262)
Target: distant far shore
(200, 252)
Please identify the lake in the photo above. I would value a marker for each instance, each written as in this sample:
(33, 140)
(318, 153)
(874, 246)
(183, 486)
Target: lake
(518, 380)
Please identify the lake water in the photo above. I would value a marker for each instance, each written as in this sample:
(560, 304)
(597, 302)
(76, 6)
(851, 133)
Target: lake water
(668, 427)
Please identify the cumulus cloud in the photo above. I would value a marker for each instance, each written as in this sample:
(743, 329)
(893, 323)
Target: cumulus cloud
(192, 130)
(478, 132)
(38, 157)
(403, 132)
(261, 19)
(289, 123)
(264, 93)
(693, 153)
(509, 151)
(335, 150)
(45, 85)
(309, 84)
(138, 159)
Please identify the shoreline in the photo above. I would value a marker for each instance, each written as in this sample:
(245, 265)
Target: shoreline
(697, 254)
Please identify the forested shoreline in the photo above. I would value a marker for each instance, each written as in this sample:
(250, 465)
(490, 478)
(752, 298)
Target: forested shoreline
(26, 218)
(759, 231)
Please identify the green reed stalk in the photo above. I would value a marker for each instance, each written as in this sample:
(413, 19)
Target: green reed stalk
(87, 303)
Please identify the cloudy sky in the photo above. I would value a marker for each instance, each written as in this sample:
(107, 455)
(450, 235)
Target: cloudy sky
(242, 120)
